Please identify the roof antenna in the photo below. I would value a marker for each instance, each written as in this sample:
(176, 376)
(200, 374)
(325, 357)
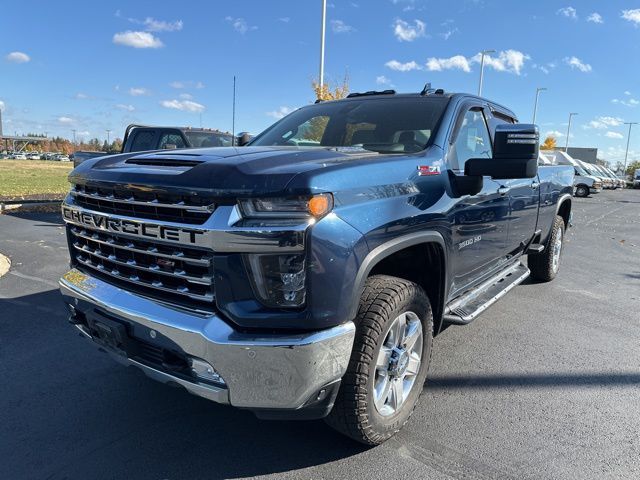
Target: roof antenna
(427, 88)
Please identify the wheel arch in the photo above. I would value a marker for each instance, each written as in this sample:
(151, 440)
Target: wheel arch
(419, 257)
(564, 209)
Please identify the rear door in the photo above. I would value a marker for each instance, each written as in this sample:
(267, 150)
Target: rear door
(479, 222)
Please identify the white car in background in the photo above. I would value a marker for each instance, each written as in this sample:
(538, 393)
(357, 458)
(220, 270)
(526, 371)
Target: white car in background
(584, 184)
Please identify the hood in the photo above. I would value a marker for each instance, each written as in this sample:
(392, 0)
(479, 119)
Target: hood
(223, 172)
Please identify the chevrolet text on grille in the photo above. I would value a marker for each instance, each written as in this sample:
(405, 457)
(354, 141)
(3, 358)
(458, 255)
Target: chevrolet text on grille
(148, 230)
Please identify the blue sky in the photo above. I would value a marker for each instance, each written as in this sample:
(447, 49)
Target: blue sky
(92, 66)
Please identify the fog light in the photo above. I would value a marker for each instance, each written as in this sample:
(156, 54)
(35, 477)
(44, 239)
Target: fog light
(278, 280)
(205, 371)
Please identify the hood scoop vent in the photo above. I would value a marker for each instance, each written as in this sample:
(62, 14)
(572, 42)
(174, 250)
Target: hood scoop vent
(164, 162)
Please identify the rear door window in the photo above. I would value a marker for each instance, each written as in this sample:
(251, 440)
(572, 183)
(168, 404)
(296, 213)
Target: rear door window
(143, 140)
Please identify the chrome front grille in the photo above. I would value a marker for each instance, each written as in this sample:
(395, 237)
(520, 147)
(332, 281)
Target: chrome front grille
(172, 273)
(168, 207)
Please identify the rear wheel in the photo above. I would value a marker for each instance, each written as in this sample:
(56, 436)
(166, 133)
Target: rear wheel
(389, 361)
(544, 266)
(582, 191)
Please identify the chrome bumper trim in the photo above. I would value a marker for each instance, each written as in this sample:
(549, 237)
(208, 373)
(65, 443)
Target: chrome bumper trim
(261, 370)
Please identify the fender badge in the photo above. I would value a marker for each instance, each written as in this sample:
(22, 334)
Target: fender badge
(426, 170)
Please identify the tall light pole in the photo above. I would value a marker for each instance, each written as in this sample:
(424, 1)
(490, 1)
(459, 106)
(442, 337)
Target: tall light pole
(108, 132)
(482, 54)
(535, 105)
(74, 138)
(626, 153)
(322, 35)
(566, 145)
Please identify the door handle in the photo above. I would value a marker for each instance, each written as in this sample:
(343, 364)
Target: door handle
(535, 185)
(503, 190)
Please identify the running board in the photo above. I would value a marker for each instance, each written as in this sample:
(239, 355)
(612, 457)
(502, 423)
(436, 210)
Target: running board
(466, 308)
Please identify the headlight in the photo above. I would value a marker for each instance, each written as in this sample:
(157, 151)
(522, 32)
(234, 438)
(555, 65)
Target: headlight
(316, 206)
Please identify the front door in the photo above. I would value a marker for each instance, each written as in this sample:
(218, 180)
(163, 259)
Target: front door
(480, 222)
(524, 199)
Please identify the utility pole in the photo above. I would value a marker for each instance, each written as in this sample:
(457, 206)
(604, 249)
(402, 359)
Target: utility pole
(74, 139)
(535, 106)
(322, 35)
(566, 145)
(482, 54)
(108, 132)
(626, 153)
(233, 117)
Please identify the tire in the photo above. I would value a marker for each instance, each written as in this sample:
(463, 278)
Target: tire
(582, 191)
(545, 266)
(390, 309)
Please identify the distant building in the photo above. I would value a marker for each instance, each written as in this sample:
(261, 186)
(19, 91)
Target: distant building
(589, 155)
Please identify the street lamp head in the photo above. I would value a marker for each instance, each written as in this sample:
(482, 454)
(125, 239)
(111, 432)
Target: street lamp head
(541, 89)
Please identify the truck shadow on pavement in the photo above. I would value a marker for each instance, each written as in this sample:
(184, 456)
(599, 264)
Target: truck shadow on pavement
(545, 380)
(88, 417)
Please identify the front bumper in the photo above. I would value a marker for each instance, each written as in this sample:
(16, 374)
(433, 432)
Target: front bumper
(271, 372)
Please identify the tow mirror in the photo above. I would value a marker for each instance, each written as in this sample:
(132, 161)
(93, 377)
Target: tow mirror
(515, 154)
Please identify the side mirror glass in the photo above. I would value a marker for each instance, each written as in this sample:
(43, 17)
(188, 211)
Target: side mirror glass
(515, 154)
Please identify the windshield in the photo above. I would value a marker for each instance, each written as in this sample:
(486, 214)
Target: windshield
(208, 139)
(580, 171)
(386, 125)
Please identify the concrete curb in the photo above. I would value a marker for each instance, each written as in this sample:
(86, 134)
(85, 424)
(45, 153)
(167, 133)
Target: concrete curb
(5, 263)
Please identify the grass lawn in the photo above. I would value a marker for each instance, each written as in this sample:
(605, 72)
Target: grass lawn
(33, 179)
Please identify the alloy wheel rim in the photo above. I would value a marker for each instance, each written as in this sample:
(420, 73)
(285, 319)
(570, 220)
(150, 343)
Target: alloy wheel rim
(398, 363)
(557, 250)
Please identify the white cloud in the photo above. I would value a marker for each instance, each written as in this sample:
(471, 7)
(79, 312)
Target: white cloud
(81, 96)
(554, 133)
(382, 80)
(338, 26)
(125, 107)
(403, 67)
(632, 15)
(631, 103)
(280, 112)
(284, 19)
(568, 12)
(153, 25)
(18, 57)
(448, 33)
(595, 18)
(138, 91)
(457, 62)
(614, 135)
(186, 96)
(83, 133)
(602, 123)
(65, 120)
(627, 92)
(240, 25)
(511, 61)
(137, 40)
(1, 105)
(184, 105)
(405, 32)
(186, 84)
(576, 63)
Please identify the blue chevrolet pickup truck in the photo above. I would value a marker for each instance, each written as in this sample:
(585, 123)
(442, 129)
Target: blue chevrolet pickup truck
(306, 274)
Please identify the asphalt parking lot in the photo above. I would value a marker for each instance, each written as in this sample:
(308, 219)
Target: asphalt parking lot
(546, 384)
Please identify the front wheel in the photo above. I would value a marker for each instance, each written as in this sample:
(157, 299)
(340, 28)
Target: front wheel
(389, 361)
(582, 191)
(544, 266)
